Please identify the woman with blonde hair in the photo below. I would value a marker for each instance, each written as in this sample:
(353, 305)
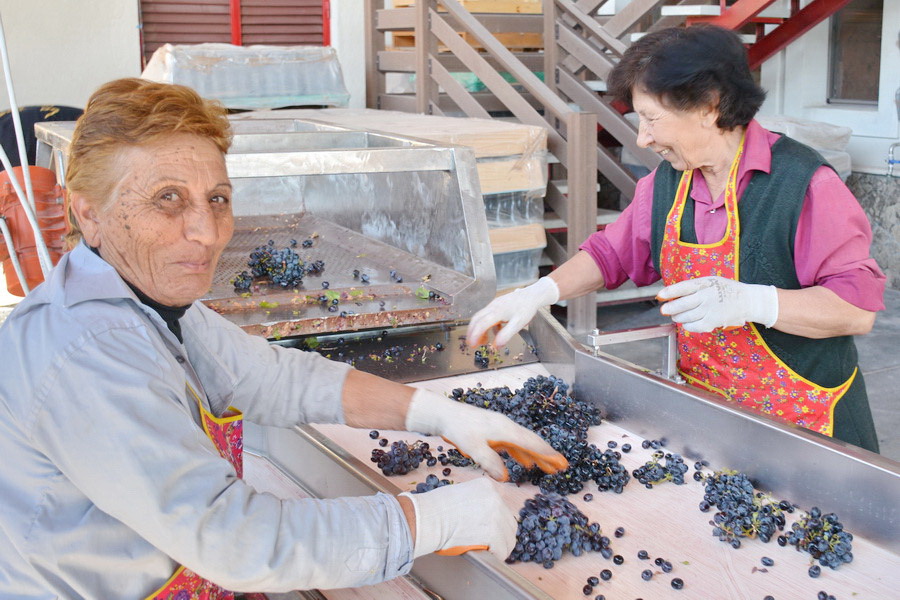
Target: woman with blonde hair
(122, 399)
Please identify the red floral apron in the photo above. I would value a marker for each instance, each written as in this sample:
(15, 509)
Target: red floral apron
(736, 362)
(227, 435)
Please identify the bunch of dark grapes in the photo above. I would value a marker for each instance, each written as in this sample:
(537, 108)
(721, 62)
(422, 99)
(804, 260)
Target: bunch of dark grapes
(456, 458)
(286, 269)
(282, 267)
(586, 463)
(550, 525)
(823, 536)
(544, 406)
(652, 472)
(431, 483)
(402, 457)
(742, 512)
(242, 281)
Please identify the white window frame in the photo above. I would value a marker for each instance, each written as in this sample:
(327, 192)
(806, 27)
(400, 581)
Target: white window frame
(797, 83)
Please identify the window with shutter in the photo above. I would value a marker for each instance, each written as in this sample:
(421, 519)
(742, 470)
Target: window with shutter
(242, 22)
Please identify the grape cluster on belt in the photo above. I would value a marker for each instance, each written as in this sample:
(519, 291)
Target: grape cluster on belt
(544, 406)
(742, 512)
(431, 483)
(456, 458)
(652, 472)
(550, 525)
(282, 267)
(402, 457)
(823, 536)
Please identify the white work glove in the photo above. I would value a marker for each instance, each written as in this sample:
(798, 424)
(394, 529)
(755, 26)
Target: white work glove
(457, 518)
(707, 303)
(480, 434)
(516, 309)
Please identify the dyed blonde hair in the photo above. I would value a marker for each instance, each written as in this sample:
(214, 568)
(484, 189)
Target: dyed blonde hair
(133, 112)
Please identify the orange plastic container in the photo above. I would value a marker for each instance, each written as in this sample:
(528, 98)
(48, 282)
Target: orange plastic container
(50, 214)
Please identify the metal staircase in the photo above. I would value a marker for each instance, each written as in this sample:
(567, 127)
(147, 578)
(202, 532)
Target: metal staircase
(579, 50)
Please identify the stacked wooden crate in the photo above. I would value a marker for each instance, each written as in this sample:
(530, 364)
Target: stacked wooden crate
(511, 160)
(513, 40)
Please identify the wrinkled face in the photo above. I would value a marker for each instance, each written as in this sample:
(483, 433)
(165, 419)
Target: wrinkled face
(681, 137)
(169, 220)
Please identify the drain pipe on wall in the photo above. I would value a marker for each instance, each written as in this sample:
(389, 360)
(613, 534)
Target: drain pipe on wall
(891, 161)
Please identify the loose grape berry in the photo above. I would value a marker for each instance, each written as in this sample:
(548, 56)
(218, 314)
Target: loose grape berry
(677, 583)
(626, 448)
(642, 554)
(374, 434)
(605, 574)
(593, 580)
(815, 571)
(620, 531)
(646, 574)
(383, 442)
(618, 559)
(766, 561)
(588, 497)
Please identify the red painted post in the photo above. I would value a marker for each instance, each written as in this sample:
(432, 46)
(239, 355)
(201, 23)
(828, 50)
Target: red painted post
(326, 22)
(235, 13)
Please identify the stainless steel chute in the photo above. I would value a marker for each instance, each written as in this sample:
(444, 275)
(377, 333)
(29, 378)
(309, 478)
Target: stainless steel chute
(374, 203)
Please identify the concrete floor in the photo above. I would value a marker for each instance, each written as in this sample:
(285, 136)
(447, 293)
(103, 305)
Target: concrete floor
(879, 355)
(879, 359)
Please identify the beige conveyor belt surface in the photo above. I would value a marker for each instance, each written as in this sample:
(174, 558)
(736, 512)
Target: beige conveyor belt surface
(664, 521)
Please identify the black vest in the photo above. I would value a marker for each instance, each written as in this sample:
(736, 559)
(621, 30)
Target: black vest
(769, 210)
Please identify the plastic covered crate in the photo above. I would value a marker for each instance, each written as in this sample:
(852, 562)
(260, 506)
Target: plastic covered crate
(508, 209)
(515, 269)
(250, 77)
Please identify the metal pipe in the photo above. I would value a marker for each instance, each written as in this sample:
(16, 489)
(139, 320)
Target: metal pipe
(891, 161)
(43, 253)
(27, 197)
(16, 118)
(7, 237)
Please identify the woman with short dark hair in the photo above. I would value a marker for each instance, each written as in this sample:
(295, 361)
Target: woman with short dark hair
(763, 250)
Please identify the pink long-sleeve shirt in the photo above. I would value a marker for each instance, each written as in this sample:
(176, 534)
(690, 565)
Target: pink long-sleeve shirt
(831, 247)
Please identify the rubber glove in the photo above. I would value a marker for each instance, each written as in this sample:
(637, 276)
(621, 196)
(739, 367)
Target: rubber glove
(707, 303)
(516, 309)
(457, 518)
(480, 434)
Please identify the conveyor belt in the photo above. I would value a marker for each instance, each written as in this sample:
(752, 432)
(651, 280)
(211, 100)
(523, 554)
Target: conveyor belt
(664, 521)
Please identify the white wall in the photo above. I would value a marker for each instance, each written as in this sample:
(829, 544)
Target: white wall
(348, 40)
(60, 51)
(797, 79)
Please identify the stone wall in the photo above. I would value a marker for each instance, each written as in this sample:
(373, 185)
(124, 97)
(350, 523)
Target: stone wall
(879, 196)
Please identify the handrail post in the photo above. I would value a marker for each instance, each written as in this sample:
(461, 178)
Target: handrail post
(581, 209)
(551, 50)
(374, 41)
(426, 48)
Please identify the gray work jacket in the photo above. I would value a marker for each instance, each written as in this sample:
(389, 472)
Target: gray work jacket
(107, 480)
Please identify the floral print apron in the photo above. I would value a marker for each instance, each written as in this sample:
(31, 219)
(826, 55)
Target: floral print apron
(736, 362)
(227, 435)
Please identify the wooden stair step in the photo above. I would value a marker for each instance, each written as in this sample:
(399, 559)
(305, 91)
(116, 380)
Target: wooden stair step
(554, 223)
(747, 38)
